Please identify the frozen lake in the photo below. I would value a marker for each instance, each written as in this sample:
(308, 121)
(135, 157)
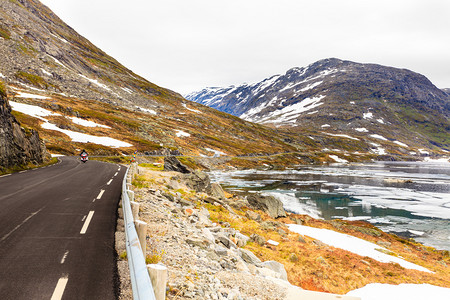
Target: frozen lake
(411, 199)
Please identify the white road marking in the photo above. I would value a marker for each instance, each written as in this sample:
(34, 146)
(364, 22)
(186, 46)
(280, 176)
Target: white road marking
(10, 175)
(116, 174)
(64, 257)
(84, 218)
(60, 287)
(100, 194)
(18, 226)
(86, 223)
(109, 182)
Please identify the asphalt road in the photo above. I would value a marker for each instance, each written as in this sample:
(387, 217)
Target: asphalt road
(57, 229)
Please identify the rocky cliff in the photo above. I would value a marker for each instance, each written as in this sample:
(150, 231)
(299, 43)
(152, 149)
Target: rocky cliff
(18, 146)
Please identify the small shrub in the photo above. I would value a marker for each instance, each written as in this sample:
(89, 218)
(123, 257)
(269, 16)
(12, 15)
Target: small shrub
(123, 255)
(139, 182)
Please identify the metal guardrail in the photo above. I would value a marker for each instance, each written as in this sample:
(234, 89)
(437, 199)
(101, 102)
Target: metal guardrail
(140, 279)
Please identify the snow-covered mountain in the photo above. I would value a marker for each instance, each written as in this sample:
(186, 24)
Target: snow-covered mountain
(342, 97)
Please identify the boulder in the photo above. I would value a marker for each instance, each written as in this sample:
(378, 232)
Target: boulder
(276, 267)
(225, 241)
(253, 215)
(258, 239)
(241, 239)
(171, 163)
(269, 204)
(249, 257)
(217, 191)
(198, 181)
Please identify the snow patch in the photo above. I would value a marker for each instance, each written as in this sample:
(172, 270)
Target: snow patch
(2, 76)
(32, 110)
(87, 138)
(127, 90)
(377, 291)
(151, 111)
(353, 244)
(30, 96)
(342, 135)
(337, 159)
(46, 72)
(362, 129)
(181, 133)
(190, 109)
(401, 144)
(368, 115)
(86, 123)
(94, 81)
(216, 152)
(325, 125)
(380, 137)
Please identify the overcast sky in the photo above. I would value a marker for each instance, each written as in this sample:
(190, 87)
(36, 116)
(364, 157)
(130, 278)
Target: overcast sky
(186, 45)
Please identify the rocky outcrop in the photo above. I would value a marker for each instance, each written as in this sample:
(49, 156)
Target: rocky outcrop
(269, 204)
(171, 163)
(18, 146)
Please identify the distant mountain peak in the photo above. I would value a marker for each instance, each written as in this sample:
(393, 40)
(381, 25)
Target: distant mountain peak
(340, 93)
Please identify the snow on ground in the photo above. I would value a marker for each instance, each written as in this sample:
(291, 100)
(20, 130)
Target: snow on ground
(325, 125)
(56, 155)
(86, 123)
(377, 291)
(46, 72)
(94, 81)
(32, 110)
(151, 111)
(2, 76)
(190, 109)
(380, 121)
(342, 135)
(87, 138)
(401, 144)
(38, 112)
(127, 90)
(422, 151)
(216, 152)
(362, 129)
(58, 62)
(338, 159)
(30, 96)
(294, 110)
(368, 115)
(377, 136)
(181, 133)
(352, 244)
(379, 150)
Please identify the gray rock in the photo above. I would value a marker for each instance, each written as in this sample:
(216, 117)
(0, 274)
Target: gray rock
(198, 181)
(253, 215)
(17, 146)
(217, 191)
(249, 257)
(277, 267)
(269, 204)
(241, 239)
(220, 250)
(258, 239)
(225, 241)
(171, 163)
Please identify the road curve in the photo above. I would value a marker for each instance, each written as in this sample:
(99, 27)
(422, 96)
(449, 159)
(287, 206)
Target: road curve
(57, 229)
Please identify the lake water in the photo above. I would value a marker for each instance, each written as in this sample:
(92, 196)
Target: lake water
(411, 199)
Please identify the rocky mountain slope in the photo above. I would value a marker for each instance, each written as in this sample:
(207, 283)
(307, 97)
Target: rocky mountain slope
(48, 65)
(368, 103)
(18, 146)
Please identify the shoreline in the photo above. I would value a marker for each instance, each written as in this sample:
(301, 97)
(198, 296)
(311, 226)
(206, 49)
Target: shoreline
(308, 262)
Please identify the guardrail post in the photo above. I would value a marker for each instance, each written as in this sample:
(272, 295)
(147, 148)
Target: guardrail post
(141, 228)
(130, 195)
(158, 276)
(134, 210)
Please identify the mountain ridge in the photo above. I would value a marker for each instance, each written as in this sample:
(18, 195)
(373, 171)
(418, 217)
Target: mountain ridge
(341, 95)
